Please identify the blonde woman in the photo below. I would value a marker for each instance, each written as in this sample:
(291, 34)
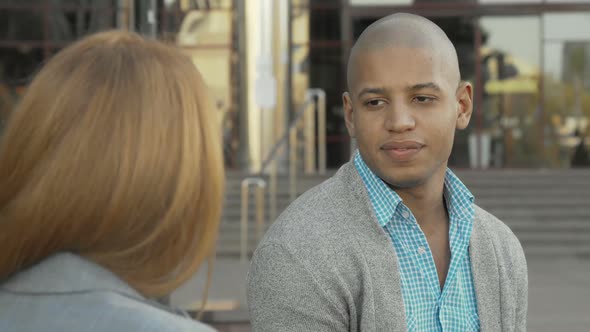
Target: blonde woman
(111, 181)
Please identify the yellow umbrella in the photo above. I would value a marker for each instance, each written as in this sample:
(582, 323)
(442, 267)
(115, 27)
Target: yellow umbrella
(526, 81)
(524, 85)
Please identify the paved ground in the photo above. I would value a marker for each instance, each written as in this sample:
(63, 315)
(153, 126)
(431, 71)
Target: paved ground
(559, 294)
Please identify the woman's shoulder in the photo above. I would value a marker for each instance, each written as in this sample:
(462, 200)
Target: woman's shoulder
(92, 311)
(66, 292)
(125, 313)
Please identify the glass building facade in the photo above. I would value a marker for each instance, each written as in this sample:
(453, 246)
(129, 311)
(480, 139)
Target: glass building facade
(528, 60)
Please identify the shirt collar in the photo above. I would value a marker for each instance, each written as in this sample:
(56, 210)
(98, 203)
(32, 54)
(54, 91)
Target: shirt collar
(67, 273)
(459, 198)
(385, 200)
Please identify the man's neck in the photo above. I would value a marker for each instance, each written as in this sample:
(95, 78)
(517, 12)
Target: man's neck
(426, 201)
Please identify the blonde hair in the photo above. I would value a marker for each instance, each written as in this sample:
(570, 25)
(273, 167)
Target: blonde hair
(114, 154)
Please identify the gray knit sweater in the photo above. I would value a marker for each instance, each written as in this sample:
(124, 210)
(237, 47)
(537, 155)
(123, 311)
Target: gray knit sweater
(326, 265)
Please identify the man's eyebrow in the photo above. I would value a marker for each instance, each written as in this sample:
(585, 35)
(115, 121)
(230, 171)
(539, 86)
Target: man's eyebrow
(421, 86)
(376, 91)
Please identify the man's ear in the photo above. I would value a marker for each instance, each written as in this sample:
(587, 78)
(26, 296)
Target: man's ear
(464, 104)
(348, 114)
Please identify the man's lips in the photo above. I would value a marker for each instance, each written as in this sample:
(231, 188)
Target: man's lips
(402, 145)
(402, 150)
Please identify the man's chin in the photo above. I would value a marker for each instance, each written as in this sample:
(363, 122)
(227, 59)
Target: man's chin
(403, 181)
(411, 177)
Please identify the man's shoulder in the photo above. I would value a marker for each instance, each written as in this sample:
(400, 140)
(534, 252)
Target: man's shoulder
(317, 201)
(313, 214)
(490, 222)
(322, 220)
(322, 212)
(503, 238)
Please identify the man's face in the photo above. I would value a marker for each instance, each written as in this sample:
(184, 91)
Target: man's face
(403, 108)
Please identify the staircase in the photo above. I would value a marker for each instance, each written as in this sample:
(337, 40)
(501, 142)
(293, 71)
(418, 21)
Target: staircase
(548, 210)
(229, 235)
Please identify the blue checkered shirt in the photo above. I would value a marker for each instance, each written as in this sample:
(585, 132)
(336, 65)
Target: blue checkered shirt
(427, 307)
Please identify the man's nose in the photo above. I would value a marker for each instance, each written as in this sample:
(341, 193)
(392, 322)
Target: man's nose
(399, 118)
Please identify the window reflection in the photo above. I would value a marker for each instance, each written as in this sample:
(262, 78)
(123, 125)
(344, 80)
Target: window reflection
(567, 88)
(511, 56)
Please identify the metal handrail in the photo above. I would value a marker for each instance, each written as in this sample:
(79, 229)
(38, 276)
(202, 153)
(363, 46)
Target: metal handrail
(310, 127)
(292, 163)
(260, 185)
(291, 137)
(308, 115)
(274, 151)
(271, 161)
(321, 115)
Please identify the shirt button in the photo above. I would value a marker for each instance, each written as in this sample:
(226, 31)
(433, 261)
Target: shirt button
(421, 250)
(405, 214)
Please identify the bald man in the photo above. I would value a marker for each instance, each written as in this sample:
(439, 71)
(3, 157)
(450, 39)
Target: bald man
(393, 241)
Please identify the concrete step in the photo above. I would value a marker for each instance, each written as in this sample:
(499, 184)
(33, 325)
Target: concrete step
(508, 212)
(235, 212)
(483, 182)
(531, 249)
(524, 196)
(542, 243)
(525, 239)
(549, 251)
(523, 173)
(553, 249)
(499, 182)
(507, 215)
(537, 227)
(479, 193)
(235, 245)
(539, 205)
(475, 175)
(234, 225)
(504, 172)
(548, 210)
(548, 194)
(565, 239)
(530, 227)
(570, 235)
(521, 179)
(524, 191)
(560, 201)
(508, 219)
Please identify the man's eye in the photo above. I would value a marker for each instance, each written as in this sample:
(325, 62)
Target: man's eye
(423, 99)
(375, 102)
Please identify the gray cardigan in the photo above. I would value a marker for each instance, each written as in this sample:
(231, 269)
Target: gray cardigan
(326, 265)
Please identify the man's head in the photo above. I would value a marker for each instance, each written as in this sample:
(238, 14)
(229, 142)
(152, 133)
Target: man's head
(405, 99)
